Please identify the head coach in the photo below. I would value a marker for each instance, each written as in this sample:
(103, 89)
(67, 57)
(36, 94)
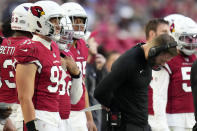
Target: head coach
(125, 88)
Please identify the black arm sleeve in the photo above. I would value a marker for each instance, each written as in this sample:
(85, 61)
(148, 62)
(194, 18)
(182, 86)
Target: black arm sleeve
(104, 92)
(193, 79)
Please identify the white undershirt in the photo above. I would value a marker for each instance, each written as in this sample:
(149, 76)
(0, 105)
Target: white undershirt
(44, 42)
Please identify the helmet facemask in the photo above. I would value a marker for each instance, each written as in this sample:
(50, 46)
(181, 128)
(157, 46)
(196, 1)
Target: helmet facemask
(187, 43)
(54, 27)
(79, 26)
(76, 11)
(66, 34)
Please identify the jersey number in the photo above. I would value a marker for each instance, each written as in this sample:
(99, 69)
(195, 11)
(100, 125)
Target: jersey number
(186, 76)
(11, 74)
(82, 67)
(55, 76)
(65, 86)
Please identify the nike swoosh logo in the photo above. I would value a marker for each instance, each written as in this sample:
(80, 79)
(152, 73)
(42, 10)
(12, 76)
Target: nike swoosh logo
(25, 50)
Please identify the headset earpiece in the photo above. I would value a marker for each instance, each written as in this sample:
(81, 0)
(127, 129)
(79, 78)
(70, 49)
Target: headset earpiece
(154, 51)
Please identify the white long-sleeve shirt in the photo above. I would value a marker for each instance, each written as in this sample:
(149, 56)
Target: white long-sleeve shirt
(159, 84)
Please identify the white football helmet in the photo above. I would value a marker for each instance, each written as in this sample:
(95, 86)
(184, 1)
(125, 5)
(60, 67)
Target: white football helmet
(74, 10)
(40, 14)
(20, 17)
(66, 34)
(184, 31)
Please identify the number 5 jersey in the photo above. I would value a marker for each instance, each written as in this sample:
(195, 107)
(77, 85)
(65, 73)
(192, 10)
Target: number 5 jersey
(180, 98)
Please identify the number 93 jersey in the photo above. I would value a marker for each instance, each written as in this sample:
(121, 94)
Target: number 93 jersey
(49, 73)
(8, 93)
(180, 98)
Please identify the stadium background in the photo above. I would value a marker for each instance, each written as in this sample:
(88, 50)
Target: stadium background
(118, 23)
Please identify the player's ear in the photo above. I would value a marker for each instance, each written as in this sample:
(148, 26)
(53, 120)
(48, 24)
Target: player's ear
(152, 34)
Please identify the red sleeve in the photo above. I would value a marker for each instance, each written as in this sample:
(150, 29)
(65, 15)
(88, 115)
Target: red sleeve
(25, 53)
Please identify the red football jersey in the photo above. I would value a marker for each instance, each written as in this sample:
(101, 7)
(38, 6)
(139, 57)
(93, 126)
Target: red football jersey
(180, 98)
(65, 104)
(49, 75)
(80, 54)
(8, 93)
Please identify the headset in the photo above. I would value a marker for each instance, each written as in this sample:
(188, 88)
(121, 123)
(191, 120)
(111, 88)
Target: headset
(156, 50)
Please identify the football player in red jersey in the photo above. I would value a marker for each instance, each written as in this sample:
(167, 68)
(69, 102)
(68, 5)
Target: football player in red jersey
(8, 93)
(175, 77)
(38, 69)
(80, 121)
(72, 92)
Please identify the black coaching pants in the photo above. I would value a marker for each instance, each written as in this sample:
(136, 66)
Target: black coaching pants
(130, 127)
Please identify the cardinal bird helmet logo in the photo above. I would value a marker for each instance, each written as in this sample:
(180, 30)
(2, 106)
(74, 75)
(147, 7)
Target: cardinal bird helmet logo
(172, 27)
(37, 11)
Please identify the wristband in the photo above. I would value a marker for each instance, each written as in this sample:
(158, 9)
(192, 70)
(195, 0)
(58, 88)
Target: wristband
(31, 126)
(76, 76)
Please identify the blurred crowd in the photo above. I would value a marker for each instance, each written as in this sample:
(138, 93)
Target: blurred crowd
(114, 26)
(118, 23)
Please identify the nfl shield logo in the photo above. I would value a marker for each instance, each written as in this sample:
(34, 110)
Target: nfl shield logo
(187, 59)
(54, 55)
(78, 52)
